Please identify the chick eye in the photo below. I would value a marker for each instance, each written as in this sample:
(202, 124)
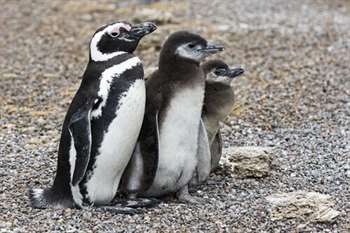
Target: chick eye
(114, 34)
(191, 45)
(219, 72)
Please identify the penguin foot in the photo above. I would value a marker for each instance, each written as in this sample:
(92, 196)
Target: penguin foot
(184, 196)
(136, 202)
(142, 202)
(118, 210)
(189, 199)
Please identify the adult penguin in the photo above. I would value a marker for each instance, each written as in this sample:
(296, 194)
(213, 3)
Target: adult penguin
(173, 145)
(102, 123)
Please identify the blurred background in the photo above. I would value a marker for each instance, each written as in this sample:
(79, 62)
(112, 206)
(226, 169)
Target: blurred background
(294, 97)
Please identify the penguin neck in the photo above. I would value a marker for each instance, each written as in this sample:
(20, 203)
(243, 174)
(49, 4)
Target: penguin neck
(175, 65)
(219, 86)
(97, 67)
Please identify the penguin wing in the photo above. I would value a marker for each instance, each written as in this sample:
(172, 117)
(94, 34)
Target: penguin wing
(149, 148)
(203, 154)
(80, 129)
(216, 150)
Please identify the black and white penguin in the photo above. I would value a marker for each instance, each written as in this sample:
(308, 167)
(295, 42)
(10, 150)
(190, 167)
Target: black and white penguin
(102, 124)
(166, 155)
(218, 102)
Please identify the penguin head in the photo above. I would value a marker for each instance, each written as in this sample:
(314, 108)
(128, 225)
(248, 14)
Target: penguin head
(219, 71)
(186, 46)
(117, 38)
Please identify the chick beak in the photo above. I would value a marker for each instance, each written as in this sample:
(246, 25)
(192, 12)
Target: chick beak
(212, 49)
(235, 72)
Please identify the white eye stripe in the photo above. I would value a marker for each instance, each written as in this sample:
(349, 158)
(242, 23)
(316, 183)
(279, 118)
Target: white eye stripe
(114, 34)
(115, 28)
(96, 54)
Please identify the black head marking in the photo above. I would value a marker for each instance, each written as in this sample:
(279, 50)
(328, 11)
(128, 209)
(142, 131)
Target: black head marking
(213, 65)
(113, 39)
(219, 71)
(177, 39)
(119, 37)
(183, 46)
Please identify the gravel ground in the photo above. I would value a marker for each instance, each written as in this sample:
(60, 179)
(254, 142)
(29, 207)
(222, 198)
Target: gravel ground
(295, 97)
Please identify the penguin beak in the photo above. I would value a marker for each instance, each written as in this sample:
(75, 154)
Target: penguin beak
(235, 72)
(211, 49)
(140, 30)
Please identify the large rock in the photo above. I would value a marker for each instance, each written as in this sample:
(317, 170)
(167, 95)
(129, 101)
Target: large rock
(308, 206)
(251, 161)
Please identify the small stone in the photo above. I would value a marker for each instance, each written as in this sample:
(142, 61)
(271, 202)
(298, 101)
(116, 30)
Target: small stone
(223, 28)
(9, 75)
(251, 161)
(87, 17)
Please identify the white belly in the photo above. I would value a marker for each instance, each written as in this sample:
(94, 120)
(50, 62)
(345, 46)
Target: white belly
(178, 142)
(117, 145)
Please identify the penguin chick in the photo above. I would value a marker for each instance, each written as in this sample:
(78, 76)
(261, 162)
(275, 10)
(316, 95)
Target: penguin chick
(173, 144)
(102, 123)
(218, 102)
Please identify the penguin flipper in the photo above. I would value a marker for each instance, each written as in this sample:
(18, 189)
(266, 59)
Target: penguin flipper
(203, 155)
(216, 150)
(149, 147)
(80, 129)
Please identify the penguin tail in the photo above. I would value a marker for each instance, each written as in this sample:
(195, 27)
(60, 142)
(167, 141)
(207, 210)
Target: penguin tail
(37, 198)
(46, 198)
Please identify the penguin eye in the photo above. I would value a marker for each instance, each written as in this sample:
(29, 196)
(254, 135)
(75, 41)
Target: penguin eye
(191, 45)
(114, 34)
(220, 72)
